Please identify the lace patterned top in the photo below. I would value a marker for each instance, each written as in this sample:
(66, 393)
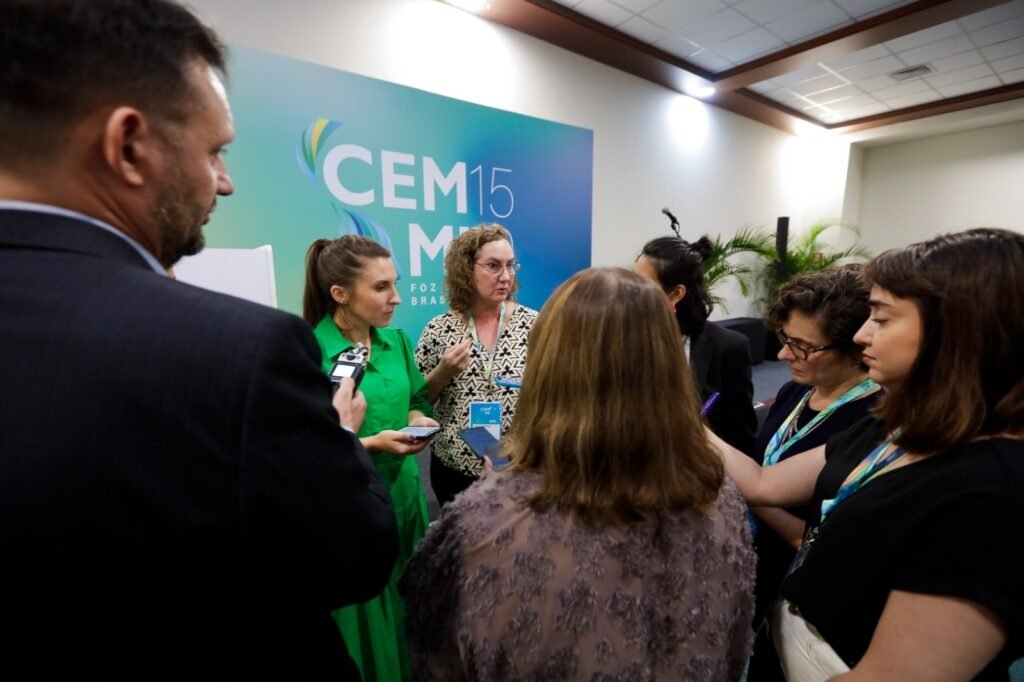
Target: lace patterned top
(499, 592)
(452, 409)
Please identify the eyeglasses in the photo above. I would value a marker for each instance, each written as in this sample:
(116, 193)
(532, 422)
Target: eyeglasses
(799, 349)
(495, 268)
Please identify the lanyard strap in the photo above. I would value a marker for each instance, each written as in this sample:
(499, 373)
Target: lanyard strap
(870, 466)
(782, 440)
(487, 358)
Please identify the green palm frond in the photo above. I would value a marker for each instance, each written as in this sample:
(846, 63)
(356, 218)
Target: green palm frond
(718, 268)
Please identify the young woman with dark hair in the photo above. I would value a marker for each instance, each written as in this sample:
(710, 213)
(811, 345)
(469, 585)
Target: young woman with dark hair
(910, 571)
(720, 357)
(350, 298)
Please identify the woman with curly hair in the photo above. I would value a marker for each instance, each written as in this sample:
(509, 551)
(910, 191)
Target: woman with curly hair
(465, 351)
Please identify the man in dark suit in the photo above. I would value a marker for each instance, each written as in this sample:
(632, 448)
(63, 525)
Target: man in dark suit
(177, 498)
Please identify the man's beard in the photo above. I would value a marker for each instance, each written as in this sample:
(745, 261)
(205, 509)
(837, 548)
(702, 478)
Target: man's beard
(179, 222)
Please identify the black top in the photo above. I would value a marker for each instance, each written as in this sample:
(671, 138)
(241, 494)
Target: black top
(720, 360)
(942, 526)
(774, 554)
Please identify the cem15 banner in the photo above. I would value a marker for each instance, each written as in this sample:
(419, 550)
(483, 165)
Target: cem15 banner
(324, 153)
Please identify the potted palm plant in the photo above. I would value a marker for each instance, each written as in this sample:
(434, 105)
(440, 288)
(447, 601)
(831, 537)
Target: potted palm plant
(718, 267)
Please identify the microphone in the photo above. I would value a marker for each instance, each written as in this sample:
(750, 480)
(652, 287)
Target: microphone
(674, 223)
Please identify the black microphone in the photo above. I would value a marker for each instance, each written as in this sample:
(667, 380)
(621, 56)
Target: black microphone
(675, 223)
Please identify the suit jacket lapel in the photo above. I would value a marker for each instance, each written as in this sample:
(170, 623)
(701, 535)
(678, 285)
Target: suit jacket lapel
(700, 359)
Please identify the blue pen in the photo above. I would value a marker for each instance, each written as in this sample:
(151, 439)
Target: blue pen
(710, 403)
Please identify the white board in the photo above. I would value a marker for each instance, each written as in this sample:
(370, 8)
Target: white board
(245, 273)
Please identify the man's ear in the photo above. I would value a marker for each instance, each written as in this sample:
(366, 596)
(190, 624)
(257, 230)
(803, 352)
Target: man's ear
(130, 145)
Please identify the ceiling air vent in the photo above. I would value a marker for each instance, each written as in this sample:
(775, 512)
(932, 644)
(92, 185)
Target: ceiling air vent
(911, 72)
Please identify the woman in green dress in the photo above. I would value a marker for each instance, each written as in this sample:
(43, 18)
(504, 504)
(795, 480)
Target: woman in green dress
(350, 297)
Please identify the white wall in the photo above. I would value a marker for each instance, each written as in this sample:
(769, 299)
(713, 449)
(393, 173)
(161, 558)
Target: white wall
(913, 190)
(652, 147)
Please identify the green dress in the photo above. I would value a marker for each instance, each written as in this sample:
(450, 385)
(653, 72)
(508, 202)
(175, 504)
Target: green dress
(374, 631)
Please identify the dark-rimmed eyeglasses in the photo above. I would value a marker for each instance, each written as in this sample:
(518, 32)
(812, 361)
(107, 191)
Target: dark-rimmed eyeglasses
(495, 268)
(801, 350)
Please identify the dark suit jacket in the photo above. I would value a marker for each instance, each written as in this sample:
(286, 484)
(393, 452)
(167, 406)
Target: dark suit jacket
(177, 499)
(720, 359)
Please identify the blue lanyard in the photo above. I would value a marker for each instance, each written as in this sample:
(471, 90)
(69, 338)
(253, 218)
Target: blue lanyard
(870, 466)
(782, 440)
(488, 359)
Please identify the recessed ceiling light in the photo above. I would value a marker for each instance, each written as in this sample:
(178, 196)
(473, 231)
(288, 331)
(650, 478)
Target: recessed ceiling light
(704, 92)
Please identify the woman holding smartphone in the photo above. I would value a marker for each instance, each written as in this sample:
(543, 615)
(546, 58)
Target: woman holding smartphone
(350, 298)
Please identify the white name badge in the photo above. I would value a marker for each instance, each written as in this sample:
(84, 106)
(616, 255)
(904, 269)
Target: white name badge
(487, 415)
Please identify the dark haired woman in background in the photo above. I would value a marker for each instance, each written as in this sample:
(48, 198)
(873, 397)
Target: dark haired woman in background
(720, 357)
(815, 317)
(911, 571)
(350, 298)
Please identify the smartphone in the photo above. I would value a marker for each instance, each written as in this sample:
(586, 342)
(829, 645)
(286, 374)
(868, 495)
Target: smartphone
(484, 444)
(420, 432)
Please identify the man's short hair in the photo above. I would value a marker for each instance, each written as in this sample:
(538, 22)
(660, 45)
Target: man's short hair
(62, 58)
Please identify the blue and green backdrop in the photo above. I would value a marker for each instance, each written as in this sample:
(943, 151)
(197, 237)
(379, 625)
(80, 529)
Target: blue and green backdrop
(323, 153)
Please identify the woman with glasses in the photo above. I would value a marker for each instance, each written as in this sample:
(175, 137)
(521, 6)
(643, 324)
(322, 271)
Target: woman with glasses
(350, 298)
(815, 317)
(910, 570)
(469, 352)
(719, 357)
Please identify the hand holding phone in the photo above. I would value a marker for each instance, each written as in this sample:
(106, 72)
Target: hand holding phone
(421, 432)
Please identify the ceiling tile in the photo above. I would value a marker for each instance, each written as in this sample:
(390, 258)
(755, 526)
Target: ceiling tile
(709, 60)
(749, 45)
(836, 94)
(970, 86)
(902, 89)
(1012, 76)
(765, 11)
(641, 29)
(637, 6)
(851, 102)
(859, 9)
(1001, 50)
(960, 75)
(928, 35)
(859, 57)
(677, 46)
(876, 83)
(809, 22)
(874, 68)
(958, 61)
(803, 74)
(913, 100)
(816, 85)
(717, 28)
(998, 33)
(1010, 10)
(675, 15)
(604, 11)
(937, 50)
(860, 112)
(1008, 64)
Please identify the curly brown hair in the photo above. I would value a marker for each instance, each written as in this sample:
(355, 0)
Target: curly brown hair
(836, 297)
(459, 262)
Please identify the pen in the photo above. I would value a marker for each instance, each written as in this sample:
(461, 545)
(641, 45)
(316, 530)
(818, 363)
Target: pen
(710, 403)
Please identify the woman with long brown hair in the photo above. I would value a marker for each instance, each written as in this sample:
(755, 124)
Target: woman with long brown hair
(612, 543)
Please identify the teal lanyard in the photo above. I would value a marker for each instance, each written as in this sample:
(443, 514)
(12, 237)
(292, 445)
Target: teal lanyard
(487, 358)
(784, 438)
(870, 466)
